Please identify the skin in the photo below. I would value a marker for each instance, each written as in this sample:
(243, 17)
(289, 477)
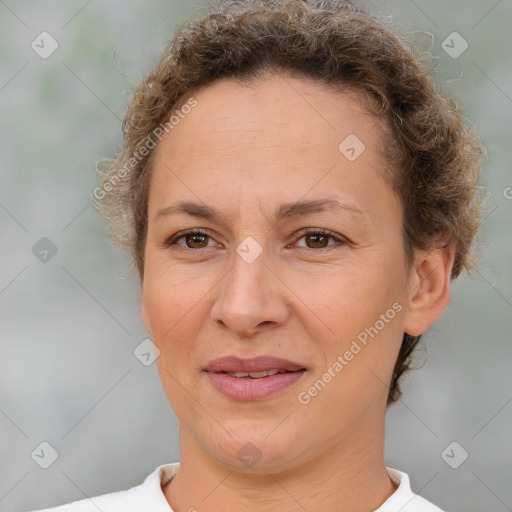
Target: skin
(245, 151)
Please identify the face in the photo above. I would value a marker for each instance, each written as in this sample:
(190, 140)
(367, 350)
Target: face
(298, 256)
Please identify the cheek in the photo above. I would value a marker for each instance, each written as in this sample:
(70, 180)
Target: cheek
(170, 294)
(173, 309)
(355, 298)
(363, 308)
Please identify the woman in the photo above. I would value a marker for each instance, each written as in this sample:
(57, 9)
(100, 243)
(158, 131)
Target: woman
(297, 196)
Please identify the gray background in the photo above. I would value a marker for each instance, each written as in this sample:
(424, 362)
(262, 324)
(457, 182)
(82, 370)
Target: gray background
(69, 325)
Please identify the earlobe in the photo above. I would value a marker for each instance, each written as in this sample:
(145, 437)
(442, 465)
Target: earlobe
(429, 289)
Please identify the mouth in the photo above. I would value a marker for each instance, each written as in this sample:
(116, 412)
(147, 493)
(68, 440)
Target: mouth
(255, 375)
(252, 379)
(253, 365)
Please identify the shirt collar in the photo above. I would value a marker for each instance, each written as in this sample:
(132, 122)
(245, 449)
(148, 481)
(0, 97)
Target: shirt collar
(402, 500)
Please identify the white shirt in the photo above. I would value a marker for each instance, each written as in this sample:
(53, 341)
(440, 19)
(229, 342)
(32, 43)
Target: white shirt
(149, 497)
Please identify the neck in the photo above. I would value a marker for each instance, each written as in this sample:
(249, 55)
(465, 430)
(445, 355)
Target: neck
(350, 476)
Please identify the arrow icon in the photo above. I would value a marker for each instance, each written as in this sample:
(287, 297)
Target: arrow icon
(454, 455)
(249, 249)
(249, 454)
(454, 45)
(351, 147)
(146, 352)
(44, 455)
(44, 45)
(44, 250)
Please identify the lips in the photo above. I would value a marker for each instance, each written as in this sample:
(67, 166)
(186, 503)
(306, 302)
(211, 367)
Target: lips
(255, 375)
(233, 364)
(252, 379)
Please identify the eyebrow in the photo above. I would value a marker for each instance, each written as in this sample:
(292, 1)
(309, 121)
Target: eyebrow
(285, 211)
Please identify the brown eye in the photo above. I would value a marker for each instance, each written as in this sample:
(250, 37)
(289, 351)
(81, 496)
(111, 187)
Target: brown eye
(317, 241)
(193, 239)
(196, 241)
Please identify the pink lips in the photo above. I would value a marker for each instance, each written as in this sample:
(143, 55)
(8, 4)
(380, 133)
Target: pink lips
(240, 388)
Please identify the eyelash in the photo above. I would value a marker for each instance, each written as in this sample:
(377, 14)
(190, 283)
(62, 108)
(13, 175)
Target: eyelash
(304, 232)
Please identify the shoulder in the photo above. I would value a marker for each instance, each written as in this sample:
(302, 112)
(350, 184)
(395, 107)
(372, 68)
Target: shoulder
(147, 496)
(403, 498)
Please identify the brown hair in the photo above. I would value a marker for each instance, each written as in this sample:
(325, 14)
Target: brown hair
(435, 157)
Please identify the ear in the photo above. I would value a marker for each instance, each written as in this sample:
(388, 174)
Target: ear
(429, 288)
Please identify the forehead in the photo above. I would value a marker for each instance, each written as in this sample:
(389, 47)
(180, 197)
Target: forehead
(292, 109)
(281, 135)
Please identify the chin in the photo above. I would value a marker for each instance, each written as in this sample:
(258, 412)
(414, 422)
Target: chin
(256, 450)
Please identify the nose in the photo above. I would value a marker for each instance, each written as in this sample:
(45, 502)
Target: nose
(251, 298)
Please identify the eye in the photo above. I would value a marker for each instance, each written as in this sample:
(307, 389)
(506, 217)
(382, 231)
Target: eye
(319, 238)
(196, 239)
(193, 239)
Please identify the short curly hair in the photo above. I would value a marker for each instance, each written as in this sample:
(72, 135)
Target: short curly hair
(436, 158)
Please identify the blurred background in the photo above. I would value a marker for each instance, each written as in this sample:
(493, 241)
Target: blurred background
(80, 413)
